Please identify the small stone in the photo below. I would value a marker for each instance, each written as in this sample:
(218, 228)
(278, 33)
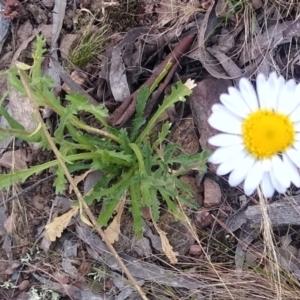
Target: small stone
(195, 250)
(212, 193)
(203, 218)
(24, 285)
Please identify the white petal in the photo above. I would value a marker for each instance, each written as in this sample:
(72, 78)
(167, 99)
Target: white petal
(267, 187)
(220, 108)
(225, 122)
(297, 127)
(253, 178)
(231, 164)
(217, 108)
(291, 169)
(287, 101)
(241, 171)
(297, 136)
(225, 153)
(279, 171)
(267, 164)
(278, 187)
(294, 156)
(296, 145)
(275, 85)
(268, 90)
(295, 115)
(235, 102)
(248, 93)
(224, 140)
(262, 90)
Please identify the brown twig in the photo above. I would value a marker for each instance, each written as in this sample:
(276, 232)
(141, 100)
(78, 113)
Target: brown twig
(123, 113)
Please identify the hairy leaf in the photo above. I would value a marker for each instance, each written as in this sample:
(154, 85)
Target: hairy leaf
(124, 141)
(177, 94)
(139, 120)
(136, 209)
(60, 181)
(108, 210)
(82, 104)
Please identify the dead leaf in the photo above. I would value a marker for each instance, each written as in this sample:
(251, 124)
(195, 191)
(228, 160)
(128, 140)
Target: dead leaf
(79, 178)
(91, 180)
(113, 230)
(84, 219)
(58, 18)
(22, 107)
(70, 291)
(46, 30)
(203, 97)
(226, 41)
(54, 229)
(273, 36)
(69, 81)
(69, 252)
(167, 248)
(287, 256)
(123, 52)
(171, 12)
(206, 28)
(24, 31)
(66, 42)
(246, 236)
(78, 77)
(137, 267)
(9, 224)
(227, 63)
(15, 160)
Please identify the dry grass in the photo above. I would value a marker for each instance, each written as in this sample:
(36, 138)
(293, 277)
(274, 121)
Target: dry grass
(265, 278)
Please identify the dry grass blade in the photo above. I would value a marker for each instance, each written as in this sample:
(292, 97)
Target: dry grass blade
(270, 249)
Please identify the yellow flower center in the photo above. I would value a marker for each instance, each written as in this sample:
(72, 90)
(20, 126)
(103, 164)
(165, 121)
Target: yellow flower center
(266, 133)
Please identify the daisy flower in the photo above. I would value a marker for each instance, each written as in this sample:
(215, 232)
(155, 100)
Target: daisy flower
(260, 139)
